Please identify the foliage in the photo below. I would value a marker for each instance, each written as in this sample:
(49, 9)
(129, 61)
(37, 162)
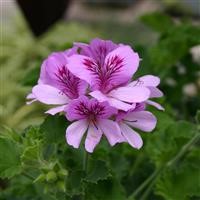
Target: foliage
(37, 164)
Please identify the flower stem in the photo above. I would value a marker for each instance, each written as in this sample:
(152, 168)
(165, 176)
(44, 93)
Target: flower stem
(144, 184)
(151, 179)
(85, 161)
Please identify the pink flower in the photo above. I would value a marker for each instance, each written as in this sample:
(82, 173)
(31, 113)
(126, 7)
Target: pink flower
(92, 83)
(107, 68)
(56, 85)
(139, 119)
(93, 117)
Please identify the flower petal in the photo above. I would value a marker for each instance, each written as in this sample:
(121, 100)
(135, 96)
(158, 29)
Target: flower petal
(50, 66)
(131, 94)
(123, 62)
(75, 132)
(55, 110)
(49, 95)
(132, 137)
(31, 98)
(93, 138)
(120, 104)
(155, 104)
(111, 130)
(147, 80)
(113, 102)
(155, 92)
(78, 65)
(142, 120)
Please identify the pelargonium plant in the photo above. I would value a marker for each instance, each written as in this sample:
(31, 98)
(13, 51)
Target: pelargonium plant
(92, 85)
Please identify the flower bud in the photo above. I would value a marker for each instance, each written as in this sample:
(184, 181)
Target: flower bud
(61, 186)
(62, 172)
(51, 177)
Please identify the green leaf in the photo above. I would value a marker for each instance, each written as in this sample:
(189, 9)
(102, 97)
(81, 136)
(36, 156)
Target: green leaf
(158, 21)
(54, 128)
(105, 190)
(165, 144)
(97, 171)
(181, 182)
(74, 183)
(30, 156)
(9, 158)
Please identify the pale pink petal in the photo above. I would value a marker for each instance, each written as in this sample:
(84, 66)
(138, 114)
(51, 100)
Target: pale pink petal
(113, 102)
(111, 130)
(131, 94)
(55, 110)
(155, 104)
(93, 138)
(75, 132)
(155, 92)
(78, 65)
(49, 95)
(120, 104)
(99, 96)
(31, 98)
(132, 137)
(142, 120)
(147, 80)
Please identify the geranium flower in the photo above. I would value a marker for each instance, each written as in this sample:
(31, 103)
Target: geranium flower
(92, 117)
(137, 119)
(56, 85)
(108, 68)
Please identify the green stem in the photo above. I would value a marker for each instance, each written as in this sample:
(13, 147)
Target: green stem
(146, 193)
(144, 184)
(85, 161)
(184, 149)
(156, 173)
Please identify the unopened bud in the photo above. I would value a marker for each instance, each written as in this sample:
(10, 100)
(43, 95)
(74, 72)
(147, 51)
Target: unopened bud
(51, 177)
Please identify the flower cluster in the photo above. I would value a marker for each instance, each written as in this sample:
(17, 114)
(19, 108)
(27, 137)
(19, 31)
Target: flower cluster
(91, 84)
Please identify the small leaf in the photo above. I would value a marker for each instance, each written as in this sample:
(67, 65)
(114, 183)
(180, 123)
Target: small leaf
(30, 156)
(98, 171)
(9, 158)
(75, 183)
(182, 182)
(54, 128)
(105, 190)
